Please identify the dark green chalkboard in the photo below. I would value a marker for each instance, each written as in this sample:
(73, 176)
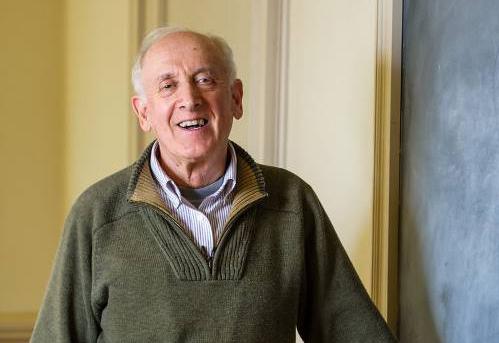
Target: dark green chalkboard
(449, 230)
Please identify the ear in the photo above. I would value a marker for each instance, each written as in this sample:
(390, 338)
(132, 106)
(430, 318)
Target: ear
(237, 98)
(139, 106)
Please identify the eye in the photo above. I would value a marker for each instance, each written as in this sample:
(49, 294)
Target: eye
(166, 86)
(204, 80)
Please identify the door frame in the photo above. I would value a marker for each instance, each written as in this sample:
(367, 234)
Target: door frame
(269, 109)
(385, 288)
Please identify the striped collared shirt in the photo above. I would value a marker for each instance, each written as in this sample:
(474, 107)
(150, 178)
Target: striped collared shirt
(204, 224)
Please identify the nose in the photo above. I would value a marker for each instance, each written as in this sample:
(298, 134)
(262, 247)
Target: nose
(189, 97)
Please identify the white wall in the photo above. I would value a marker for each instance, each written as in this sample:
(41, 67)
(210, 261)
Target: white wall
(330, 117)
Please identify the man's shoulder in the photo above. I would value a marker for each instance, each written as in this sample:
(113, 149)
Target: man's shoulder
(277, 176)
(287, 191)
(105, 200)
(110, 187)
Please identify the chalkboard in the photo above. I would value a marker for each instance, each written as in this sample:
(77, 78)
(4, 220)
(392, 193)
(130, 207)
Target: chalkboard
(449, 229)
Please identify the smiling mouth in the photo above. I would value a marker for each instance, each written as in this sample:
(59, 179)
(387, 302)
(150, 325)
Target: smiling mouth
(193, 124)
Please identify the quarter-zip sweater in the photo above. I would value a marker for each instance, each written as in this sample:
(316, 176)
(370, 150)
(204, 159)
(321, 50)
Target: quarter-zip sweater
(126, 271)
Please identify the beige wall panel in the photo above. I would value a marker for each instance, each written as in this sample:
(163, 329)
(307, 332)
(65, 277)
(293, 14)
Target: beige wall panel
(31, 136)
(330, 118)
(97, 79)
(231, 20)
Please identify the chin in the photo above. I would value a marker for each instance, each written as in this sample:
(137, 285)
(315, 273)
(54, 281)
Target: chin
(203, 146)
(198, 152)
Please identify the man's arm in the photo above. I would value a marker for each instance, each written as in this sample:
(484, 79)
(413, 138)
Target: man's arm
(334, 306)
(66, 314)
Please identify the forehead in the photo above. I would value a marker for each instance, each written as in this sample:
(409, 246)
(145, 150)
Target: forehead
(183, 49)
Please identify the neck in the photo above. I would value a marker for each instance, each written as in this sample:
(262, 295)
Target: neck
(194, 173)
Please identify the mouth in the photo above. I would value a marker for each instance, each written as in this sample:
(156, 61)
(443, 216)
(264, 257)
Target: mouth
(194, 124)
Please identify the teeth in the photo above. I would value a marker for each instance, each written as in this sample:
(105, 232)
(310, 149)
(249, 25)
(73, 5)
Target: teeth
(196, 122)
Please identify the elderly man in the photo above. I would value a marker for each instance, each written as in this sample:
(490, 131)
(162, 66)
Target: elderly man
(195, 242)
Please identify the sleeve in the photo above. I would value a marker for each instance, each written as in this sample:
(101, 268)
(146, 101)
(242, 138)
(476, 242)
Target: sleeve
(66, 314)
(334, 306)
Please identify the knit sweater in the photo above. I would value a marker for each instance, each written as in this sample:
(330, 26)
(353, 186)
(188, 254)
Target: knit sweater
(126, 271)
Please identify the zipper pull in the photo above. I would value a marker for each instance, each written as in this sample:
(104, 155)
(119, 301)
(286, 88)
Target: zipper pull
(210, 258)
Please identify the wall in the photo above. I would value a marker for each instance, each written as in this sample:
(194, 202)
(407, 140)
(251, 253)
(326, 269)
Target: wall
(330, 114)
(97, 102)
(450, 176)
(31, 146)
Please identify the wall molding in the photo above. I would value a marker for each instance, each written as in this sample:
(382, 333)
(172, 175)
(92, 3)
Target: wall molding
(384, 290)
(268, 81)
(282, 85)
(135, 36)
(261, 81)
(145, 15)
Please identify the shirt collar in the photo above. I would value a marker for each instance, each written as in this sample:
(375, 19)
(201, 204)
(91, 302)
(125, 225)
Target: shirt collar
(172, 191)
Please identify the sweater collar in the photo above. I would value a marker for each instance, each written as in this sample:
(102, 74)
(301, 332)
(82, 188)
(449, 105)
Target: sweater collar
(172, 191)
(250, 184)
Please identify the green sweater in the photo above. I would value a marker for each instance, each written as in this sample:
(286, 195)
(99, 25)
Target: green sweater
(126, 271)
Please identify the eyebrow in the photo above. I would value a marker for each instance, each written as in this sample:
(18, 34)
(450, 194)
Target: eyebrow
(166, 76)
(203, 70)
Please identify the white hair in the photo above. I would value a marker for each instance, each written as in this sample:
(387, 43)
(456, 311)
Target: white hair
(160, 33)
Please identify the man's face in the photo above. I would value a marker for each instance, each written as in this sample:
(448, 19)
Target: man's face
(189, 102)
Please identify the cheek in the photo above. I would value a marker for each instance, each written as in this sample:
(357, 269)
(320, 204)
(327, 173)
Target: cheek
(161, 113)
(223, 108)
